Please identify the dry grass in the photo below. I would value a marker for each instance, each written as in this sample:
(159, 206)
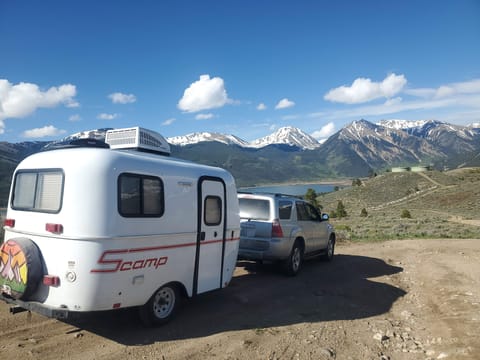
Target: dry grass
(441, 204)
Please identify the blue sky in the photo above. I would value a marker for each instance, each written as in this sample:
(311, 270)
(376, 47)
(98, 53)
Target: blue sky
(237, 67)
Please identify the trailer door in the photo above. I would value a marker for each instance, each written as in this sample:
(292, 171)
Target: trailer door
(211, 234)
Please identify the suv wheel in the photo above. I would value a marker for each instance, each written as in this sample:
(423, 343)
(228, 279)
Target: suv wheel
(295, 260)
(328, 256)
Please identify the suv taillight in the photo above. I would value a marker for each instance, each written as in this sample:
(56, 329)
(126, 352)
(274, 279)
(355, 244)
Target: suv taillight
(277, 229)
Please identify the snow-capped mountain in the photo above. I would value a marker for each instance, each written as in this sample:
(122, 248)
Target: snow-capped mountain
(402, 124)
(195, 138)
(288, 135)
(446, 137)
(379, 145)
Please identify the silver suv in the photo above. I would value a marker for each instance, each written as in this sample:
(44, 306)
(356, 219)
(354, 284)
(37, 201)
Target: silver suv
(284, 228)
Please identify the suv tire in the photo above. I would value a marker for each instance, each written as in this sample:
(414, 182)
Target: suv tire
(328, 256)
(294, 262)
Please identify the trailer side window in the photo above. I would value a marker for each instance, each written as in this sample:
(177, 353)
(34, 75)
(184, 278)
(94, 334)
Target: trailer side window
(38, 190)
(140, 196)
(213, 210)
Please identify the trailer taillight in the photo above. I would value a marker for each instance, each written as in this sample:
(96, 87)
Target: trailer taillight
(9, 222)
(51, 280)
(54, 228)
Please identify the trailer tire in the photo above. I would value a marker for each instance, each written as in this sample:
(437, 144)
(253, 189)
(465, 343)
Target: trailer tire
(21, 268)
(162, 306)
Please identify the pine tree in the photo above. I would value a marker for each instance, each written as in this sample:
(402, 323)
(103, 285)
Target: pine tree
(341, 212)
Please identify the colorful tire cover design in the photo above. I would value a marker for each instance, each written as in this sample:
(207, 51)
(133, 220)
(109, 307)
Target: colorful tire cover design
(21, 268)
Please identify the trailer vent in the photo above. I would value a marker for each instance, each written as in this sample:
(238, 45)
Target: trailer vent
(139, 139)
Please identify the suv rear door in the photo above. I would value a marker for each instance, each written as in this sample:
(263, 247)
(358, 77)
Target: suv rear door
(315, 230)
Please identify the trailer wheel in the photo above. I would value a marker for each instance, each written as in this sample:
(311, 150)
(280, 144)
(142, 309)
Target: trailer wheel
(161, 307)
(21, 268)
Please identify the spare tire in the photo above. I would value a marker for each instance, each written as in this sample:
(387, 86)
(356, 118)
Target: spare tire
(21, 268)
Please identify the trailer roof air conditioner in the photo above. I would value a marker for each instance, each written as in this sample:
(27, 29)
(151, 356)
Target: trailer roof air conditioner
(137, 138)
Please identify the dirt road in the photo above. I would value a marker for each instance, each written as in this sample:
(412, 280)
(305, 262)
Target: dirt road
(409, 299)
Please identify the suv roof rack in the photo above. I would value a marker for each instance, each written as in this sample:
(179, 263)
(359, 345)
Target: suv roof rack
(270, 193)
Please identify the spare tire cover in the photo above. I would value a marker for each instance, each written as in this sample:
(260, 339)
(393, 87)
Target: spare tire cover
(21, 268)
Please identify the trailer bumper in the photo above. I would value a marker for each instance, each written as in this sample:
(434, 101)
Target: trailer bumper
(39, 308)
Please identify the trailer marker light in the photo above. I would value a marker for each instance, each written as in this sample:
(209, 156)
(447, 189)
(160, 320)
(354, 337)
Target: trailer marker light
(54, 228)
(51, 280)
(9, 222)
(116, 306)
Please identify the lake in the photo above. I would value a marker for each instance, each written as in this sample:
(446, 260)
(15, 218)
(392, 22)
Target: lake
(295, 189)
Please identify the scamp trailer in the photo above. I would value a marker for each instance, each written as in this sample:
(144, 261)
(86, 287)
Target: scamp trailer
(95, 226)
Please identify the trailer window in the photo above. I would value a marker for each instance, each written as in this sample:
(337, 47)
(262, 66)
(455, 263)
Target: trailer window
(140, 196)
(38, 190)
(213, 210)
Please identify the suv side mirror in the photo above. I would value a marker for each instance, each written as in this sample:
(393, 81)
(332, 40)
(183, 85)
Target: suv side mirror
(325, 217)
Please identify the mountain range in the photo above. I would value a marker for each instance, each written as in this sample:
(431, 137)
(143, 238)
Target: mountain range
(359, 149)
(286, 135)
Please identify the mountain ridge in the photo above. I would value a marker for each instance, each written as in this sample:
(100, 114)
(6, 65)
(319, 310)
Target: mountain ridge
(359, 149)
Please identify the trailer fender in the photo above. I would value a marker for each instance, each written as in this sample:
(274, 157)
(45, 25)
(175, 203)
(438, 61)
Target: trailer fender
(21, 268)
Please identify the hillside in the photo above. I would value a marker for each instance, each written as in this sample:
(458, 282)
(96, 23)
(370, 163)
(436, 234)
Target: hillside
(441, 205)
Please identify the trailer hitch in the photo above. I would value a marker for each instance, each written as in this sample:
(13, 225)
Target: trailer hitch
(17, 309)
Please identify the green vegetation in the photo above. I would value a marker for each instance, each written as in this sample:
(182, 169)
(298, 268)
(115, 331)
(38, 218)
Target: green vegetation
(408, 205)
(311, 196)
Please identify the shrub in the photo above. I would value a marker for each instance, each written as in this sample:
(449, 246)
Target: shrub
(405, 214)
(363, 213)
(357, 182)
(341, 212)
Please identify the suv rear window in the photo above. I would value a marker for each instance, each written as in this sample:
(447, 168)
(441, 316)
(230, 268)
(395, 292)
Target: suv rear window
(284, 209)
(257, 209)
(38, 190)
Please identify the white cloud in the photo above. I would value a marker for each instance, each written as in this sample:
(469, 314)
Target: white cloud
(75, 118)
(284, 103)
(325, 132)
(291, 117)
(169, 121)
(119, 98)
(23, 99)
(45, 131)
(261, 107)
(2, 127)
(204, 94)
(104, 116)
(364, 90)
(204, 116)
(444, 91)
(394, 101)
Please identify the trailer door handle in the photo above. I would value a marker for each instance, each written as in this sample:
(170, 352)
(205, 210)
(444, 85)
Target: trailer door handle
(202, 236)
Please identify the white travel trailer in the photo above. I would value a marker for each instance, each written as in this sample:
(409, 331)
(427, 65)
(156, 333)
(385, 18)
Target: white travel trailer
(94, 226)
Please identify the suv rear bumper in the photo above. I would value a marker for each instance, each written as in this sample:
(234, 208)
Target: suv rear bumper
(270, 249)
